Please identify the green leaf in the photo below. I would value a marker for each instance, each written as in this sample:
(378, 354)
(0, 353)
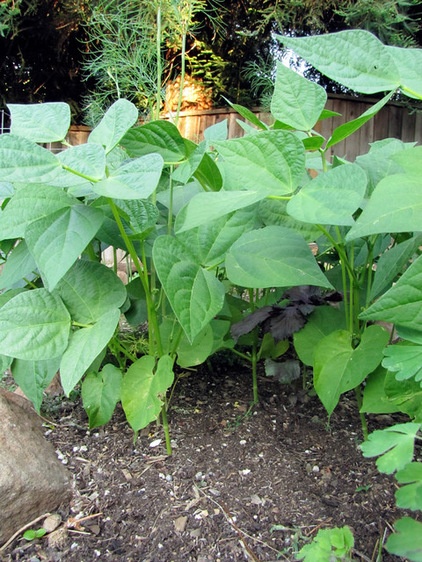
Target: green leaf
(375, 399)
(31, 203)
(409, 160)
(159, 137)
(273, 159)
(406, 395)
(142, 215)
(331, 198)
(405, 360)
(194, 293)
(40, 122)
(20, 264)
(188, 354)
(135, 180)
(391, 263)
(210, 242)
(410, 496)
(56, 241)
(395, 444)
(273, 257)
(329, 544)
(338, 367)
(355, 58)
(347, 129)
(21, 160)
(33, 377)
(322, 322)
(115, 123)
(400, 305)
(218, 131)
(296, 100)
(207, 207)
(100, 394)
(408, 62)
(86, 160)
(395, 206)
(34, 325)
(407, 540)
(89, 289)
(248, 115)
(84, 346)
(143, 389)
(274, 212)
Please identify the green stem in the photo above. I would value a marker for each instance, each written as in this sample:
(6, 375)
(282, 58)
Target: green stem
(166, 428)
(153, 329)
(358, 394)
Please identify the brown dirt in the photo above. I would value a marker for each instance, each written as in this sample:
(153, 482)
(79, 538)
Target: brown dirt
(238, 487)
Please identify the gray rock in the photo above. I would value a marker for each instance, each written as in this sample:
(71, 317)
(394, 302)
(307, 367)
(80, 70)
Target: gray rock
(32, 480)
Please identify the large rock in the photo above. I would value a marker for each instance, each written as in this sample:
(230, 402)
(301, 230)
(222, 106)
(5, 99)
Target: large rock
(32, 480)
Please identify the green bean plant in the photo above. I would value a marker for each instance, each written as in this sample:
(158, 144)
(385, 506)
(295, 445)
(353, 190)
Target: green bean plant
(203, 223)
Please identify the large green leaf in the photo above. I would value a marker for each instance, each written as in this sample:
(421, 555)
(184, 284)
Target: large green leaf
(410, 160)
(347, 129)
(20, 264)
(21, 160)
(194, 293)
(207, 207)
(141, 214)
(160, 137)
(34, 325)
(100, 394)
(323, 321)
(273, 159)
(33, 377)
(112, 127)
(407, 539)
(409, 63)
(405, 394)
(57, 240)
(89, 289)
(274, 212)
(395, 444)
(189, 354)
(296, 100)
(40, 122)
(143, 389)
(31, 203)
(355, 58)
(85, 160)
(135, 180)
(402, 303)
(210, 242)
(84, 346)
(338, 367)
(391, 263)
(375, 399)
(331, 198)
(395, 206)
(273, 257)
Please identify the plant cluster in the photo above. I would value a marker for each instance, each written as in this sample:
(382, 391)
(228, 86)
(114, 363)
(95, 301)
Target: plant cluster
(249, 238)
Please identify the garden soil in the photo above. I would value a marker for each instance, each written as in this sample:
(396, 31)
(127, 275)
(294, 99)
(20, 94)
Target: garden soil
(241, 485)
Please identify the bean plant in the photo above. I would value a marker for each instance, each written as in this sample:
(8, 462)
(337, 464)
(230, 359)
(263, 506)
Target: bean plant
(226, 236)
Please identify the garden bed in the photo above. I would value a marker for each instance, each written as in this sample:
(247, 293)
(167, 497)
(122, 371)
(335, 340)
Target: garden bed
(239, 486)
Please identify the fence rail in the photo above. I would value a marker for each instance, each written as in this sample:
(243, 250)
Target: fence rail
(393, 120)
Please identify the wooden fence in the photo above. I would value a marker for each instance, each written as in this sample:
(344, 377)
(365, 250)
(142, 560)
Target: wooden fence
(393, 120)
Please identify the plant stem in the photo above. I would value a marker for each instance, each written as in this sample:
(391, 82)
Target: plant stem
(166, 429)
(364, 425)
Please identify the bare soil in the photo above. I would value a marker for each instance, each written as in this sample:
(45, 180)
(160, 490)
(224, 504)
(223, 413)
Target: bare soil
(240, 485)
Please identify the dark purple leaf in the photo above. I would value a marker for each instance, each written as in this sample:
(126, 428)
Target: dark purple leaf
(250, 322)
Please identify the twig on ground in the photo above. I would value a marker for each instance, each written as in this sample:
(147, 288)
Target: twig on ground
(22, 529)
